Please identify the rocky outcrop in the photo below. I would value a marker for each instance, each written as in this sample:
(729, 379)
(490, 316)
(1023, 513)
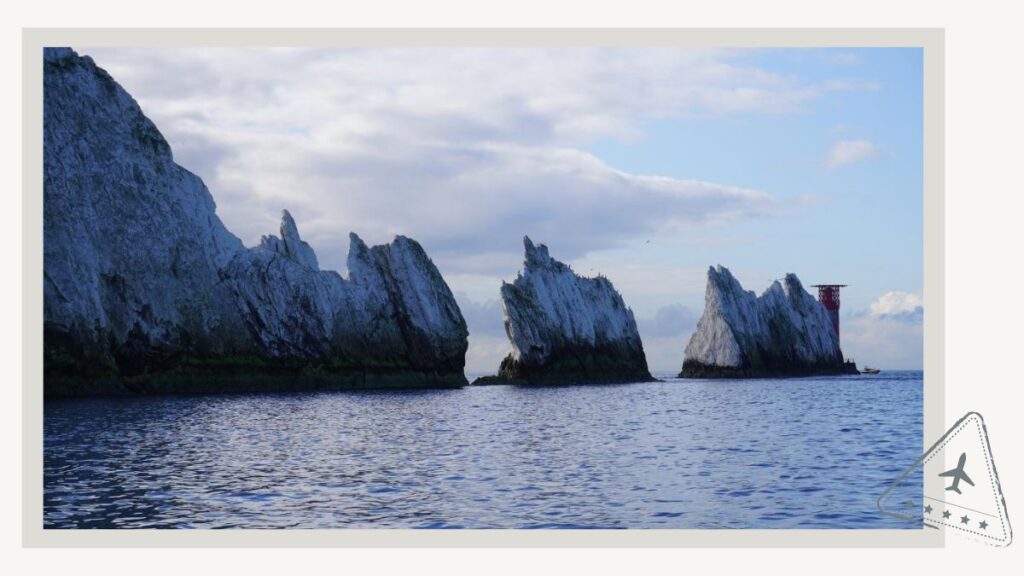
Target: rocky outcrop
(145, 290)
(567, 329)
(784, 332)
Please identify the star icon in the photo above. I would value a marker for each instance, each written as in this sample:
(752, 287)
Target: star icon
(945, 514)
(983, 525)
(964, 519)
(928, 509)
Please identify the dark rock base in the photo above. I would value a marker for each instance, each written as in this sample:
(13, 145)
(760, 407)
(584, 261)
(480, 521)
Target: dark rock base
(55, 386)
(79, 367)
(693, 369)
(497, 381)
(592, 366)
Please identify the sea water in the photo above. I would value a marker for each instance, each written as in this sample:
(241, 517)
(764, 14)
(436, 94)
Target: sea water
(791, 453)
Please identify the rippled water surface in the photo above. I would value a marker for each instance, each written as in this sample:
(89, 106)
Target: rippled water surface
(798, 453)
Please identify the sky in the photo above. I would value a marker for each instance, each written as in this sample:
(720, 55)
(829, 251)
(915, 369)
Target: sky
(645, 165)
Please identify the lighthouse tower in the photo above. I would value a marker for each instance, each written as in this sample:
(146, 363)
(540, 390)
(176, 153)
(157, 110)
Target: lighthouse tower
(828, 295)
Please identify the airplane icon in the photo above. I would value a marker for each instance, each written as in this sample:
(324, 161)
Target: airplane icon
(958, 474)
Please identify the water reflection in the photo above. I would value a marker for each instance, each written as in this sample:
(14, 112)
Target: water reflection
(802, 453)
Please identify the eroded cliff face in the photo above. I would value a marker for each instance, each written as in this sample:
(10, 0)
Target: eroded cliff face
(784, 332)
(146, 290)
(394, 311)
(568, 329)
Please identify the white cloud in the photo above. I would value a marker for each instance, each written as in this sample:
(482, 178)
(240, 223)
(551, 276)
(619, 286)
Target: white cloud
(897, 304)
(485, 354)
(665, 354)
(465, 150)
(482, 318)
(883, 342)
(846, 152)
(667, 321)
(889, 334)
(665, 334)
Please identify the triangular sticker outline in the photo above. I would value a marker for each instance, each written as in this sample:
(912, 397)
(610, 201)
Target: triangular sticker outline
(937, 447)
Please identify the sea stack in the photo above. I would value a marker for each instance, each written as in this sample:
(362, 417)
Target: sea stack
(566, 329)
(146, 291)
(784, 332)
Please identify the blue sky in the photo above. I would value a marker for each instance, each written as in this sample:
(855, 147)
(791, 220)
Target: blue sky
(863, 224)
(647, 165)
(866, 227)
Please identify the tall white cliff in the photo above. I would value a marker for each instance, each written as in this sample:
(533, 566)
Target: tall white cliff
(146, 290)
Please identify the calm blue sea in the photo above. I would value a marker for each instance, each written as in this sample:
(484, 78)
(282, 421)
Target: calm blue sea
(796, 453)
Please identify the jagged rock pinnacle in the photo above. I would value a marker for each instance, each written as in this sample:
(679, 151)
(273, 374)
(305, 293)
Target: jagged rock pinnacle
(565, 328)
(784, 332)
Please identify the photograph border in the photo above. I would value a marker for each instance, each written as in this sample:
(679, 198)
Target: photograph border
(931, 40)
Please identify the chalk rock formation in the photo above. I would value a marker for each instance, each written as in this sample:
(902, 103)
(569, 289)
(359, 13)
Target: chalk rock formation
(567, 329)
(393, 312)
(784, 332)
(145, 289)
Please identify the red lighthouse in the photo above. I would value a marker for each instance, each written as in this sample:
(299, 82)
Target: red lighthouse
(828, 295)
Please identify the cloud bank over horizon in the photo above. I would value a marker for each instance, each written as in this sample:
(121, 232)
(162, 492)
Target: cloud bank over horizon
(453, 147)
